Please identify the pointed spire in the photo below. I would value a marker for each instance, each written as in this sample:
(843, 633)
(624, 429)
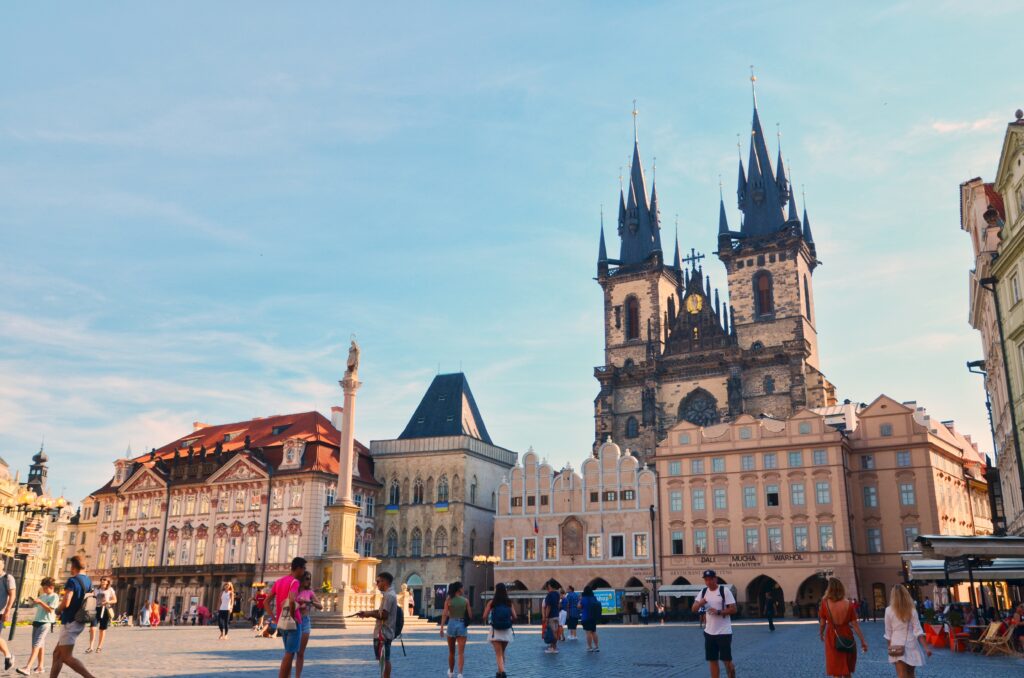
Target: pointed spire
(793, 216)
(723, 222)
(780, 170)
(741, 182)
(807, 222)
(602, 251)
(676, 260)
(718, 306)
(761, 198)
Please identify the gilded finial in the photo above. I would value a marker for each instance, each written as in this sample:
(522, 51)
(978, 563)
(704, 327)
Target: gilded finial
(778, 136)
(803, 196)
(739, 149)
(620, 178)
(635, 112)
(654, 169)
(753, 79)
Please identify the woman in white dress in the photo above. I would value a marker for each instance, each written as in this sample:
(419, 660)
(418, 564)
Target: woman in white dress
(903, 632)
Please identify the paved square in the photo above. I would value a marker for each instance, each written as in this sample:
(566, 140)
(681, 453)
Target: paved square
(675, 650)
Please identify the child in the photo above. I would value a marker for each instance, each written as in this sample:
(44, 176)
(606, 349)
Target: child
(45, 605)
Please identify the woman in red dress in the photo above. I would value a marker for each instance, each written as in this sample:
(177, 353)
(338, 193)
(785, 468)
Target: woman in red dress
(838, 616)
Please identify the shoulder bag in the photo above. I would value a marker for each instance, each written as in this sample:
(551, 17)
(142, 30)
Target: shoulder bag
(842, 643)
(900, 650)
(286, 622)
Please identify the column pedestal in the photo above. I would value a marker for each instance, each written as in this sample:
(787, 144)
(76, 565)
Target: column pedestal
(350, 572)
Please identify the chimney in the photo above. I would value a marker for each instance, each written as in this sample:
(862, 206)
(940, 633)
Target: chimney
(336, 412)
(196, 425)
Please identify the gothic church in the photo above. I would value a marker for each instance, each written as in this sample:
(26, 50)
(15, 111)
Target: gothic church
(673, 349)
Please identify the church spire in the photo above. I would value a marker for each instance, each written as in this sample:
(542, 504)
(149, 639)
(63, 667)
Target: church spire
(780, 171)
(676, 260)
(638, 217)
(793, 216)
(723, 222)
(761, 198)
(808, 238)
(602, 251)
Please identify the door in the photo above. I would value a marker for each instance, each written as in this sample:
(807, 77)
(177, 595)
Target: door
(417, 601)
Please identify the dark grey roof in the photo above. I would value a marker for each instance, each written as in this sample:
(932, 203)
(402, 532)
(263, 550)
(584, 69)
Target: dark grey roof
(447, 409)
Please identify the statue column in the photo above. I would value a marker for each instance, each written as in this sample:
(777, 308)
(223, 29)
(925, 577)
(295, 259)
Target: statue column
(350, 384)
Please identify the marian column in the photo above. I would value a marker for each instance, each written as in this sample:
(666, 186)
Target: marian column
(351, 574)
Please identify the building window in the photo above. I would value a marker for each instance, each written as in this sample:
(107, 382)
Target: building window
(771, 495)
(751, 540)
(233, 550)
(718, 464)
(697, 499)
(774, 539)
(218, 551)
(518, 501)
(867, 462)
(870, 496)
(807, 298)
(394, 494)
(544, 497)
(770, 461)
(254, 500)
(826, 538)
(697, 467)
(550, 548)
(800, 538)
(874, 536)
(442, 489)
(632, 318)
(441, 542)
(684, 438)
(903, 458)
(804, 428)
(675, 468)
(1015, 288)
(764, 302)
(632, 428)
(677, 543)
(627, 495)
(885, 430)
(472, 491)
(820, 457)
(618, 543)
(368, 506)
(769, 385)
(108, 509)
(796, 459)
(907, 494)
(329, 499)
(416, 544)
(531, 500)
(909, 538)
(594, 546)
(610, 495)
(675, 501)
(175, 505)
(823, 492)
(747, 462)
(295, 495)
(718, 497)
(594, 497)
(700, 541)
(530, 549)
(184, 552)
(392, 544)
(797, 496)
(721, 540)
(749, 497)
(417, 491)
(745, 433)
(201, 550)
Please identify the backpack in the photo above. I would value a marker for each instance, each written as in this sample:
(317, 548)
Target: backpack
(501, 618)
(86, 612)
(596, 609)
(399, 621)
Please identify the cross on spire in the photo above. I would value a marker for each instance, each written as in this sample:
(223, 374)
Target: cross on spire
(693, 258)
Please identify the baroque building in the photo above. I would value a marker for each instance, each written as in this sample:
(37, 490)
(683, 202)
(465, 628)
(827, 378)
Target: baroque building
(440, 480)
(229, 502)
(674, 350)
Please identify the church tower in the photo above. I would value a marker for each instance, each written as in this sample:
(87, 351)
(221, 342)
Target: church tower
(37, 472)
(770, 262)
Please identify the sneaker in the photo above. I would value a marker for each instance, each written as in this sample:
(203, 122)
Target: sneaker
(8, 662)
(597, 649)
(88, 650)
(22, 671)
(460, 675)
(451, 674)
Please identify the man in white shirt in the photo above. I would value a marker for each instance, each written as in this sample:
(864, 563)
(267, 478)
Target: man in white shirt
(718, 605)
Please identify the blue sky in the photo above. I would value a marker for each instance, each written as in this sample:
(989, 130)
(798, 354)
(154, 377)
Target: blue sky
(200, 204)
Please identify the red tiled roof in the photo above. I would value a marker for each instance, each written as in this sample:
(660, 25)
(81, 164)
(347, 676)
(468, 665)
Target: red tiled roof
(995, 200)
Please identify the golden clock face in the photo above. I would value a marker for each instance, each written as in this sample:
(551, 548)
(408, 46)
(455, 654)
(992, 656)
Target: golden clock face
(694, 303)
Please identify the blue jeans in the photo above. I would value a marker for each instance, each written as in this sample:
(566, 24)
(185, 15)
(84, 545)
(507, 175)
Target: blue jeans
(291, 640)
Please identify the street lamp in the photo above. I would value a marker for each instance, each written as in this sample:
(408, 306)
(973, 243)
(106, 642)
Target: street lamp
(485, 559)
(998, 515)
(27, 504)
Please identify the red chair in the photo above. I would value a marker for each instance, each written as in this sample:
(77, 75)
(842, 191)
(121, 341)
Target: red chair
(958, 639)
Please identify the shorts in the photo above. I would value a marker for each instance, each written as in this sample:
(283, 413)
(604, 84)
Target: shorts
(590, 625)
(562, 617)
(572, 623)
(456, 628)
(305, 626)
(382, 645)
(718, 647)
(69, 633)
(39, 630)
(553, 628)
(291, 640)
(102, 620)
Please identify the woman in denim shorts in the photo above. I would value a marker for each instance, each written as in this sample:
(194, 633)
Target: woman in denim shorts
(306, 600)
(456, 615)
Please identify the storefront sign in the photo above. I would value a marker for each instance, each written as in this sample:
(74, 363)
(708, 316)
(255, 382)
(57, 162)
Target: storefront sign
(610, 599)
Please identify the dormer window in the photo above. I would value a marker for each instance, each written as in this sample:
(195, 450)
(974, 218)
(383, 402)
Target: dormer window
(278, 430)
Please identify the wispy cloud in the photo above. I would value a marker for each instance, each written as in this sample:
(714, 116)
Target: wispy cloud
(979, 125)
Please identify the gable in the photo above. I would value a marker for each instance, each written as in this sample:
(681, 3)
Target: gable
(239, 468)
(143, 480)
(884, 405)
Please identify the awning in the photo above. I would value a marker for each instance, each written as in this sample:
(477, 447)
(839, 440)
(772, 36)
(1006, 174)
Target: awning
(1001, 569)
(517, 595)
(686, 590)
(980, 546)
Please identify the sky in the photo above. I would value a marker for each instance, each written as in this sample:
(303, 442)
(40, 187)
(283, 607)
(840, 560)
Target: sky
(200, 205)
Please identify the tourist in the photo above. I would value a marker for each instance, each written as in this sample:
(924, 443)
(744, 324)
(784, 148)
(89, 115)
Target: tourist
(928, 604)
(572, 606)
(718, 605)
(227, 602)
(456, 613)
(563, 614)
(387, 617)
(644, 613)
(590, 615)
(284, 593)
(70, 628)
(549, 617)
(306, 599)
(154, 614)
(8, 588)
(902, 628)
(862, 609)
(45, 606)
(1016, 624)
(144, 615)
(837, 623)
(259, 610)
(769, 610)
(106, 598)
(501, 615)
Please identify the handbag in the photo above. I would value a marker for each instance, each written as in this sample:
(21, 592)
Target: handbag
(842, 643)
(900, 650)
(286, 622)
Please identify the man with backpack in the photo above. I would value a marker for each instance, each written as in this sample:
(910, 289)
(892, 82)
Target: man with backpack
(549, 617)
(8, 592)
(77, 608)
(572, 607)
(388, 626)
(718, 604)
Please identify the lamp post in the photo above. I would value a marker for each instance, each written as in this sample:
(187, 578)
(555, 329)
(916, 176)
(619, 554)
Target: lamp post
(485, 559)
(27, 505)
(998, 514)
(654, 561)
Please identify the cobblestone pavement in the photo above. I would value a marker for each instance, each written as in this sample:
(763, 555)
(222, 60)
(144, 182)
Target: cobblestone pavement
(792, 651)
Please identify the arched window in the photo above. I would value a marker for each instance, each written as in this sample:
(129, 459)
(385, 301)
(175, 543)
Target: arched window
(699, 407)
(394, 495)
(632, 428)
(632, 318)
(807, 298)
(441, 542)
(442, 489)
(764, 299)
(472, 541)
(417, 492)
(392, 548)
(416, 544)
(472, 491)
(769, 385)
(428, 542)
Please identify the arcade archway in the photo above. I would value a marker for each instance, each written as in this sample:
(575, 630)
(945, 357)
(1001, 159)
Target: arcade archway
(762, 592)
(809, 595)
